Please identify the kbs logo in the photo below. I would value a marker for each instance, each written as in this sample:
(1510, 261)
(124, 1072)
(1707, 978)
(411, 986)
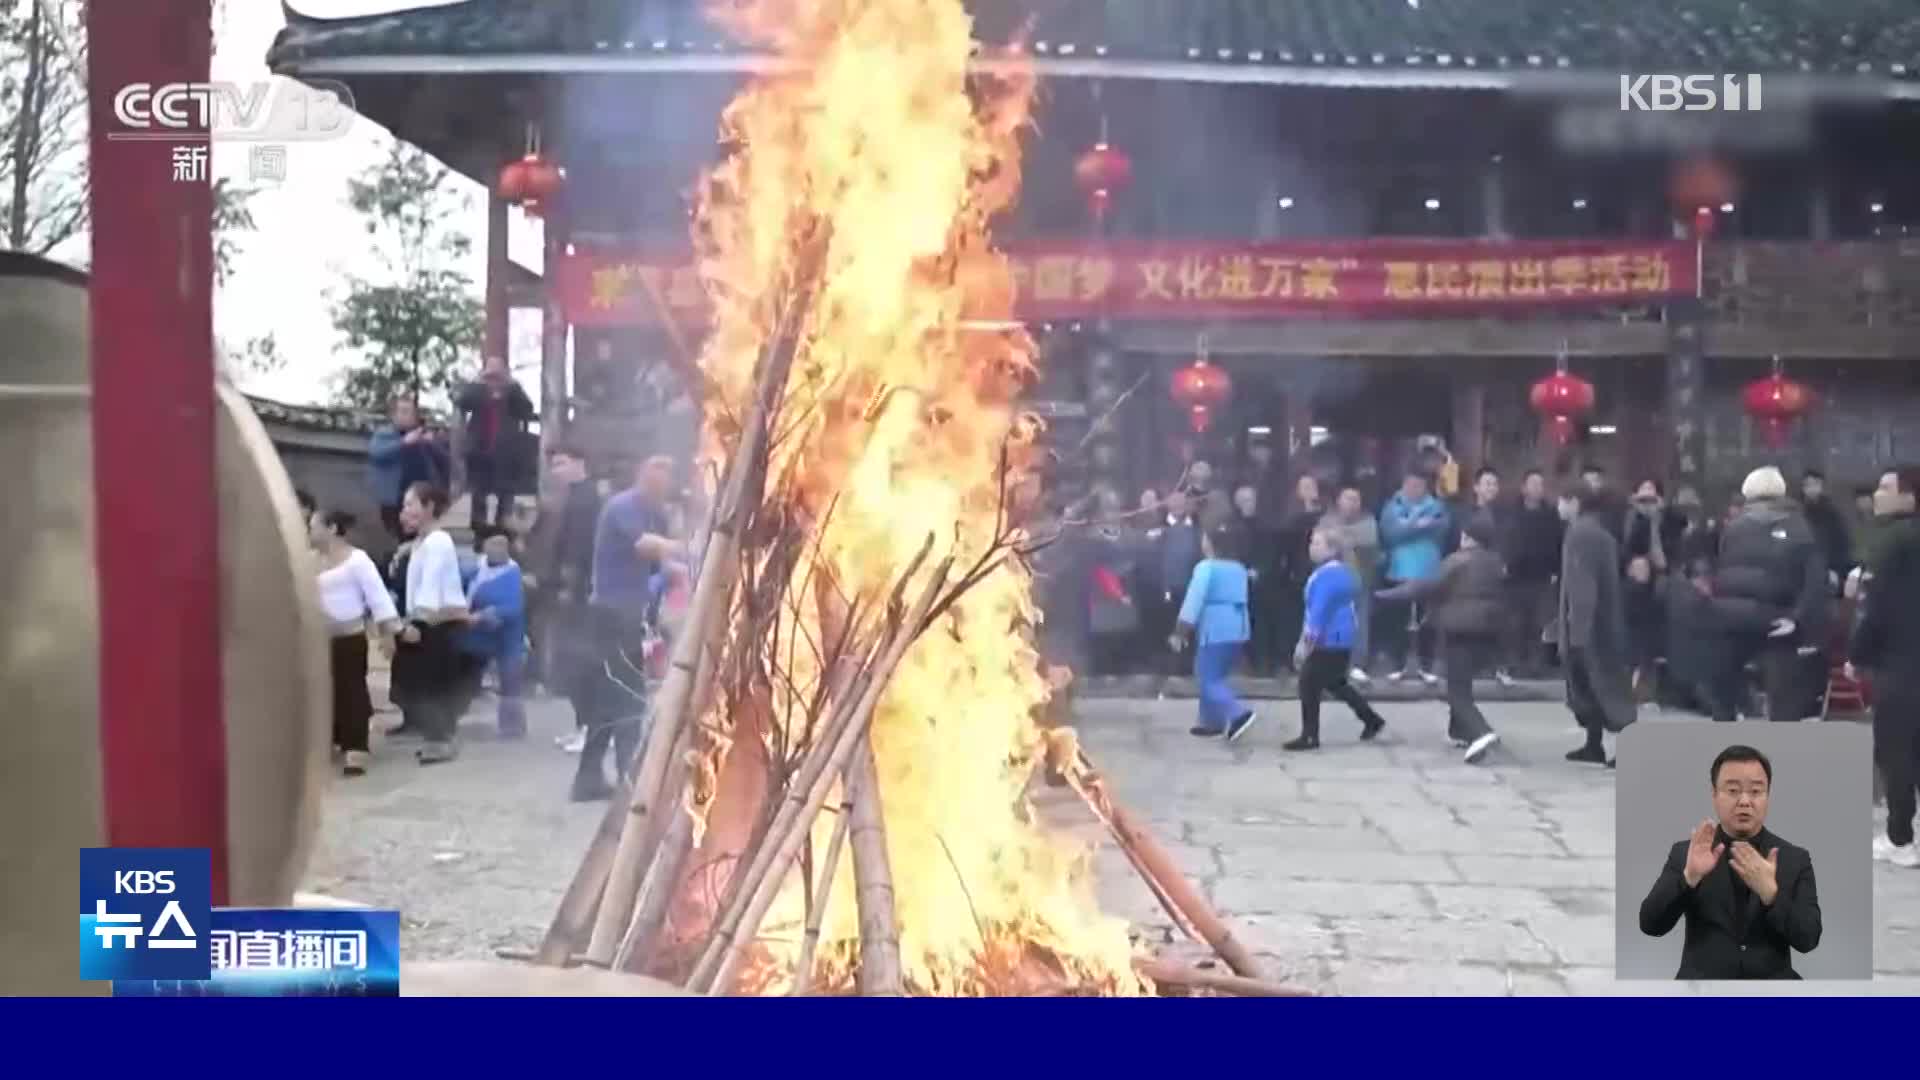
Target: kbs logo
(143, 882)
(1689, 93)
(145, 913)
(266, 110)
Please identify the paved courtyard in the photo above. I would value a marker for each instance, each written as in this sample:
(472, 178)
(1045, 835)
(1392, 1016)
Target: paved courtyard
(1360, 869)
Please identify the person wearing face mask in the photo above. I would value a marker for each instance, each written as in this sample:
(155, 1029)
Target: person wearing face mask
(1747, 895)
(1699, 531)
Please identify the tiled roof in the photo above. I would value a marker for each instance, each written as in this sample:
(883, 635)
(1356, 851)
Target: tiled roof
(1815, 37)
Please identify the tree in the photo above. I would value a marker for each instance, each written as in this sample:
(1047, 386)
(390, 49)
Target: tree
(43, 124)
(413, 329)
(231, 217)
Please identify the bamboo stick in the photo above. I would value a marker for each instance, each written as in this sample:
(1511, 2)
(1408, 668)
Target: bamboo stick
(880, 971)
(1153, 862)
(1165, 973)
(712, 598)
(1160, 866)
(727, 952)
(669, 855)
(817, 903)
(575, 917)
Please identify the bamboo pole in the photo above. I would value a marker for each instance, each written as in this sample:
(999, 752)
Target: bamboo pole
(817, 903)
(1149, 857)
(1165, 973)
(727, 952)
(575, 918)
(712, 598)
(880, 971)
(669, 854)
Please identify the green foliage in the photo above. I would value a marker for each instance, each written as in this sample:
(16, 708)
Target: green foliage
(231, 217)
(416, 325)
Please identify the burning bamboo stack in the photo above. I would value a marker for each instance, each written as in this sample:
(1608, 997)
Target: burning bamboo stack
(860, 379)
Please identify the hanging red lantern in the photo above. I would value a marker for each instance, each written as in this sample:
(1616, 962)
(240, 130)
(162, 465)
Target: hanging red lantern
(1703, 223)
(1103, 173)
(1774, 403)
(1561, 399)
(1701, 181)
(1200, 388)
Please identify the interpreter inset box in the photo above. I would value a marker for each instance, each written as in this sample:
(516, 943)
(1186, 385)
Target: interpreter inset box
(1744, 852)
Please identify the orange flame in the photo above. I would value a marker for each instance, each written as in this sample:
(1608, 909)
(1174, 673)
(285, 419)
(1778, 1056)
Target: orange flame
(872, 134)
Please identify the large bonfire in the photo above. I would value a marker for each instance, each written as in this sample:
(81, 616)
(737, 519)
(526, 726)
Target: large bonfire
(832, 793)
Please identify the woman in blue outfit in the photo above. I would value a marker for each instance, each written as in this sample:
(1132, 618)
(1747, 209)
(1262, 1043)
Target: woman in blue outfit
(1214, 618)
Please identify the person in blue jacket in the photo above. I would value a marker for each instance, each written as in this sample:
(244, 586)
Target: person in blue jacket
(399, 455)
(1413, 528)
(1325, 652)
(1214, 617)
(496, 633)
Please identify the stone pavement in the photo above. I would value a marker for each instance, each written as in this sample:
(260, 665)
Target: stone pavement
(1360, 869)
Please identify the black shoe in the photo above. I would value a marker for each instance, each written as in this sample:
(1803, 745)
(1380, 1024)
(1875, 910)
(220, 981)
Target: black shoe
(1240, 725)
(1588, 755)
(1302, 742)
(1201, 731)
(436, 753)
(1611, 763)
(1371, 728)
(590, 788)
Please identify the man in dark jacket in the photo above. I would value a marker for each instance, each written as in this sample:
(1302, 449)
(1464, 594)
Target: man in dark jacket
(1748, 896)
(1771, 598)
(1531, 546)
(1887, 643)
(1173, 549)
(495, 412)
(1594, 649)
(1467, 601)
(559, 569)
(1829, 527)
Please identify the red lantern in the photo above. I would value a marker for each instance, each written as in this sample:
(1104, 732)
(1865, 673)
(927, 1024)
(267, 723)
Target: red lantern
(1774, 403)
(1200, 388)
(531, 181)
(1701, 182)
(1103, 173)
(1703, 222)
(1561, 399)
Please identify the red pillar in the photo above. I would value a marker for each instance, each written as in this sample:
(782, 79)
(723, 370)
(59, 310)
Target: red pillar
(163, 739)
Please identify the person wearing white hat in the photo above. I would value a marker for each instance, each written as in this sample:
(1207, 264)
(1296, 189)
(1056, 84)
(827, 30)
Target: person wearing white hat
(1771, 599)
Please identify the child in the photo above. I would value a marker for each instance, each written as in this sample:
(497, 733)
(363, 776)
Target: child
(1214, 614)
(1326, 642)
(1468, 598)
(497, 630)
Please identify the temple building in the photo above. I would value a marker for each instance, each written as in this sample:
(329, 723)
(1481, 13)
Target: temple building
(1379, 219)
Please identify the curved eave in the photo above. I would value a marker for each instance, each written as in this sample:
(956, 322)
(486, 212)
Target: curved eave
(1529, 79)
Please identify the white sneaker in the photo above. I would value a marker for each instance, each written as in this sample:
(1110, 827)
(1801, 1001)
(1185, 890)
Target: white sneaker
(1903, 855)
(1359, 677)
(1504, 679)
(1395, 676)
(574, 743)
(1430, 678)
(1479, 747)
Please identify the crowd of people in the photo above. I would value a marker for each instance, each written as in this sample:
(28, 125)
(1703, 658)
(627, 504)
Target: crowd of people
(1634, 597)
(574, 593)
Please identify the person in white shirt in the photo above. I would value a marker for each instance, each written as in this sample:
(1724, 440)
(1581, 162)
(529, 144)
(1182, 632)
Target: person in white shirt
(428, 657)
(356, 601)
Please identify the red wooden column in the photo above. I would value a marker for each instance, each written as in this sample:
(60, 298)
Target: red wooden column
(163, 739)
(497, 269)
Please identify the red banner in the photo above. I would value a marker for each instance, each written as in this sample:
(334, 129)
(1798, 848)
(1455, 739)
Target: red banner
(1362, 278)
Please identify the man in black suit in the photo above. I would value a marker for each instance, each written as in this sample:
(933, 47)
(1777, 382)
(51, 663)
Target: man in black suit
(1747, 895)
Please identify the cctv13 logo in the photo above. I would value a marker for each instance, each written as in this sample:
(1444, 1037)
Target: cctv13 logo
(146, 913)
